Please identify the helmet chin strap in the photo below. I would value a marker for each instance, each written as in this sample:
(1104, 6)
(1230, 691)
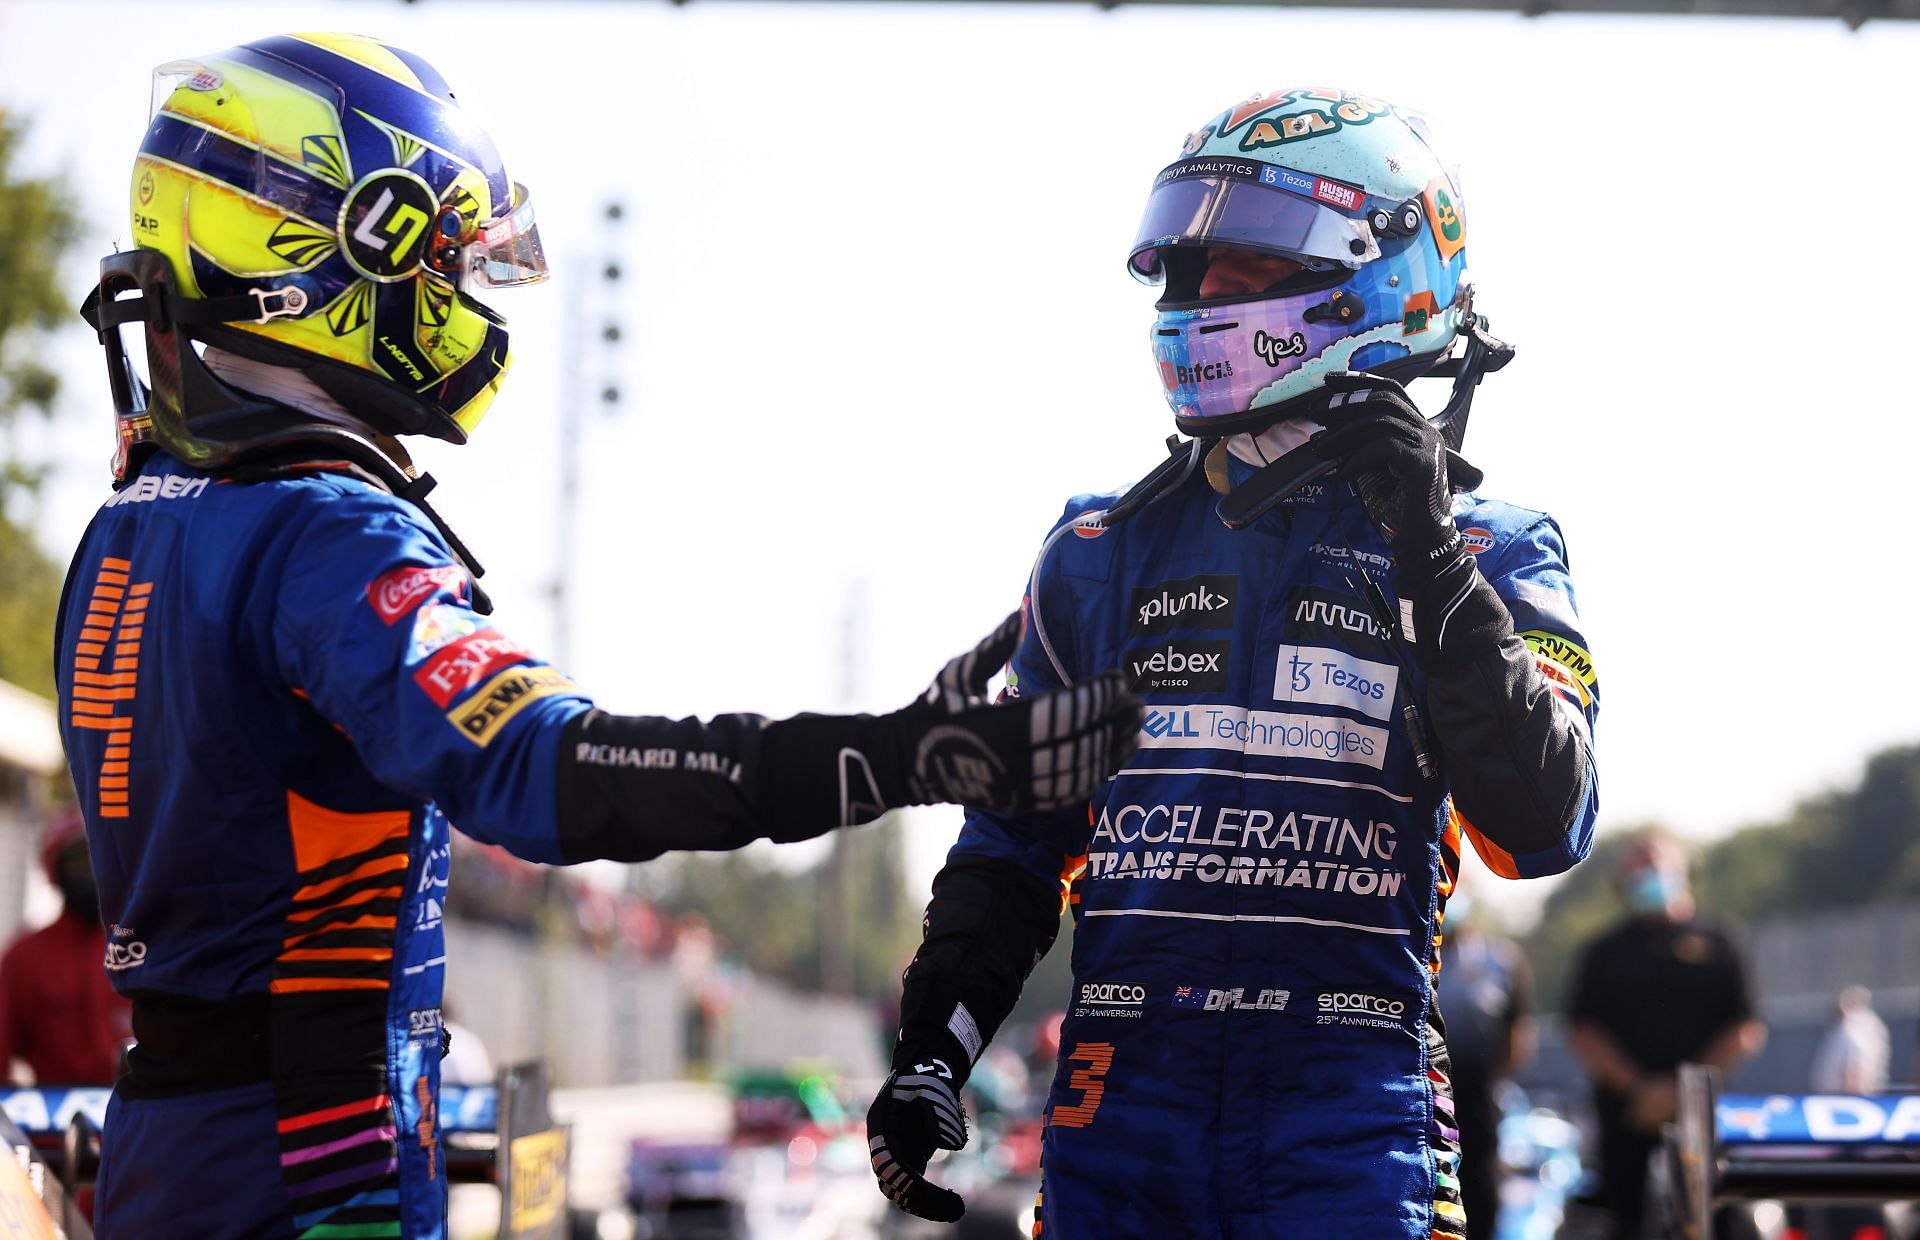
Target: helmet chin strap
(191, 414)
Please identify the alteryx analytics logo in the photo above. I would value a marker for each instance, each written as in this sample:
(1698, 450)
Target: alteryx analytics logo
(1264, 733)
(1330, 677)
(1174, 666)
(1204, 602)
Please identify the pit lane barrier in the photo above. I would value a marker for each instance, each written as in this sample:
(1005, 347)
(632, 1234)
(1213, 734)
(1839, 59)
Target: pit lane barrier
(1802, 1148)
(503, 1134)
(33, 1203)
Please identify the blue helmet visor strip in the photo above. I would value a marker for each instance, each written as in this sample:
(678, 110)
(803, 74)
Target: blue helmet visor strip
(1250, 205)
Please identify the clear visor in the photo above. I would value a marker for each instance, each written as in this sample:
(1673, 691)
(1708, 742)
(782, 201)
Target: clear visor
(172, 76)
(1244, 206)
(506, 251)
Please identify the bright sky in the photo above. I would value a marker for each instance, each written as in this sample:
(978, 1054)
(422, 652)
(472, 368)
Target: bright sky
(877, 328)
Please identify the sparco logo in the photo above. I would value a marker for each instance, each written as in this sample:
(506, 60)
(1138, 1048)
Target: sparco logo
(1354, 1002)
(423, 1022)
(1112, 992)
(1204, 602)
(1180, 667)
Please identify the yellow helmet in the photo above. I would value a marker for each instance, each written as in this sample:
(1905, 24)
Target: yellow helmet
(320, 202)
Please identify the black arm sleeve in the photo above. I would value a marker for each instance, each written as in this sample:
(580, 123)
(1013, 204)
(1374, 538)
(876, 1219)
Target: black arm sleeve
(987, 926)
(1517, 759)
(632, 787)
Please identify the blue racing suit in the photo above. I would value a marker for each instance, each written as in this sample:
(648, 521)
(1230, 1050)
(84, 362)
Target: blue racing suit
(274, 696)
(1251, 1048)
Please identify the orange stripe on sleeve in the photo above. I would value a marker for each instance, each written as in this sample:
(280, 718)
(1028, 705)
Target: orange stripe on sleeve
(295, 985)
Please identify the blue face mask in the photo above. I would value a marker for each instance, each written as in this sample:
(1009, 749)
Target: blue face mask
(1652, 890)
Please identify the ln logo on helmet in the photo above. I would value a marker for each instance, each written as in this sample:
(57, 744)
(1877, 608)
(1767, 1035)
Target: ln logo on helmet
(383, 225)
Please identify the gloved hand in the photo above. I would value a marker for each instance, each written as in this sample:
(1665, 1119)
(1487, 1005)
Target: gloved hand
(1021, 754)
(1397, 463)
(917, 1112)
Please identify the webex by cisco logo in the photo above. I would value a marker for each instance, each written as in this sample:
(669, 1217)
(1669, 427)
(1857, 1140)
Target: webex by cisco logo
(1194, 666)
(1204, 602)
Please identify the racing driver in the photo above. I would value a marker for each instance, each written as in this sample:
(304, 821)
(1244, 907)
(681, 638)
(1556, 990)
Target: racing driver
(278, 682)
(1351, 661)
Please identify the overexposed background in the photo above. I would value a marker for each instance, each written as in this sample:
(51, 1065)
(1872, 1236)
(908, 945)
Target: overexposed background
(876, 328)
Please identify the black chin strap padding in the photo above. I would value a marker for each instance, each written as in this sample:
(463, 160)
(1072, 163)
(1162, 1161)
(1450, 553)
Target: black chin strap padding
(1182, 458)
(1271, 484)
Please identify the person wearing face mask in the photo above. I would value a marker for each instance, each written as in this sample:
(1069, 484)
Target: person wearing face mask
(1662, 988)
(58, 1014)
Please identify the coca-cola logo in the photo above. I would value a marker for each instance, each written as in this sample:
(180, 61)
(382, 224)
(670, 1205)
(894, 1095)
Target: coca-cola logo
(397, 593)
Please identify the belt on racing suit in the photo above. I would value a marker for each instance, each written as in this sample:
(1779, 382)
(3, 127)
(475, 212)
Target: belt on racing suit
(187, 1046)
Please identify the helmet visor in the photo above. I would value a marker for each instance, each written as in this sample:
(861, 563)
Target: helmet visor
(506, 250)
(1245, 204)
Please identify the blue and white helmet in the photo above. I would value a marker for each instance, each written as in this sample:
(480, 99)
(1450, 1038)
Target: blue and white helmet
(1346, 186)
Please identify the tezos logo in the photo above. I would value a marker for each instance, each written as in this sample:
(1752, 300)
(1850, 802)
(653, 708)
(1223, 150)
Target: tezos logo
(1112, 992)
(384, 224)
(1204, 602)
(1355, 1003)
(1180, 667)
(1273, 351)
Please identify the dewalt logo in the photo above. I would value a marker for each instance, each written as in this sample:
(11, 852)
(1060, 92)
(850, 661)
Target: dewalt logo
(481, 716)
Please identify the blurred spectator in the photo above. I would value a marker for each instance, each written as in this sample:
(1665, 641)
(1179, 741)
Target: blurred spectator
(1660, 989)
(57, 1011)
(1852, 1057)
(1485, 995)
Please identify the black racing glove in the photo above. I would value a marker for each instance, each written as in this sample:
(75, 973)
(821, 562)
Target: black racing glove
(1015, 756)
(917, 1111)
(1397, 464)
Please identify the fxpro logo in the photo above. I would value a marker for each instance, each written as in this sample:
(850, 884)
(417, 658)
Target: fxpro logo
(1179, 667)
(1113, 992)
(1355, 1003)
(1203, 602)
